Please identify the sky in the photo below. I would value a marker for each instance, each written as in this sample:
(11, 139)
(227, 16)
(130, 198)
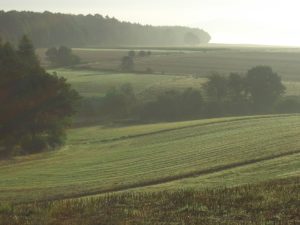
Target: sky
(270, 22)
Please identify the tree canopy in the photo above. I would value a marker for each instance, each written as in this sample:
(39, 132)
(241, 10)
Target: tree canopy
(221, 95)
(256, 92)
(192, 39)
(34, 105)
(264, 87)
(62, 56)
(54, 29)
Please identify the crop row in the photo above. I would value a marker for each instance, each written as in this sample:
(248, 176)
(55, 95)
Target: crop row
(84, 167)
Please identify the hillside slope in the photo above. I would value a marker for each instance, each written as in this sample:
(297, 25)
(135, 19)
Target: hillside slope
(101, 159)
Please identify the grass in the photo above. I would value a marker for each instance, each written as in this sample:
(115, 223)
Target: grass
(278, 168)
(292, 88)
(92, 83)
(273, 202)
(102, 158)
(235, 170)
(176, 68)
(197, 61)
(202, 62)
(96, 83)
(99, 159)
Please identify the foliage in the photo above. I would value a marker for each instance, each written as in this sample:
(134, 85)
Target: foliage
(290, 104)
(219, 96)
(89, 30)
(257, 92)
(131, 54)
(174, 105)
(63, 56)
(119, 103)
(142, 53)
(274, 202)
(191, 39)
(264, 87)
(127, 64)
(34, 104)
(223, 96)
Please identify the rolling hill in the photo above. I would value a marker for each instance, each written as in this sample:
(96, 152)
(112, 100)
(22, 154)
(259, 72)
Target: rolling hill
(197, 154)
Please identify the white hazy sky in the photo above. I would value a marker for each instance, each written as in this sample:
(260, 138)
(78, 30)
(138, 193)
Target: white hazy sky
(228, 21)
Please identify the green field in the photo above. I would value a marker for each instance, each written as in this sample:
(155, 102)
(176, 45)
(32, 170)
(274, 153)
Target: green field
(189, 155)
(231, 170)
(175, 68)
(91, 83)
(197, 154)
(198, 61)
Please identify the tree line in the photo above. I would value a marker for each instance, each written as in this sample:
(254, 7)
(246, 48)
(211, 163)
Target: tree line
(62, 56)
(259, 91)
(54, 29)
(127, 62)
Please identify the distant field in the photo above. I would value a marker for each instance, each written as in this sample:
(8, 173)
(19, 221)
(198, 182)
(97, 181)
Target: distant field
(95, 83)
(92, 83)
(197, 154)
(201, 61)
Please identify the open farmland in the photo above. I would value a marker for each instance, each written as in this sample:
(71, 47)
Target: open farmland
(91, 83)
(285, 166)
(96, 83)
(201, 62)
(140, 116)
(175, 68)
(100, 159)
(272, 202)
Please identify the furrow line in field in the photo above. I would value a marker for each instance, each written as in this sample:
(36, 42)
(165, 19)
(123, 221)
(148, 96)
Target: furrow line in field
(184, 127)
(170, 178)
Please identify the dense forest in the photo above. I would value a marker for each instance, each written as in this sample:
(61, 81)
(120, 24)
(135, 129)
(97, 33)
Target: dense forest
(52, 29)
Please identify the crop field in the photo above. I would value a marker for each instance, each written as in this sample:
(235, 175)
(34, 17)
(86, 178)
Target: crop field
(192, 154)
(285, 62)
(175, 68)
(285, 166)
(200, 62)
(273, 202)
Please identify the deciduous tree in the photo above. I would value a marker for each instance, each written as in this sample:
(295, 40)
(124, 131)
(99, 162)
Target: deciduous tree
(35, 105)
(263, 87)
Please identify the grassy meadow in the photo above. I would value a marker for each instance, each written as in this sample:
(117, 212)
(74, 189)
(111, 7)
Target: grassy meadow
(91, 83)
(96, 83)
(101, 159)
